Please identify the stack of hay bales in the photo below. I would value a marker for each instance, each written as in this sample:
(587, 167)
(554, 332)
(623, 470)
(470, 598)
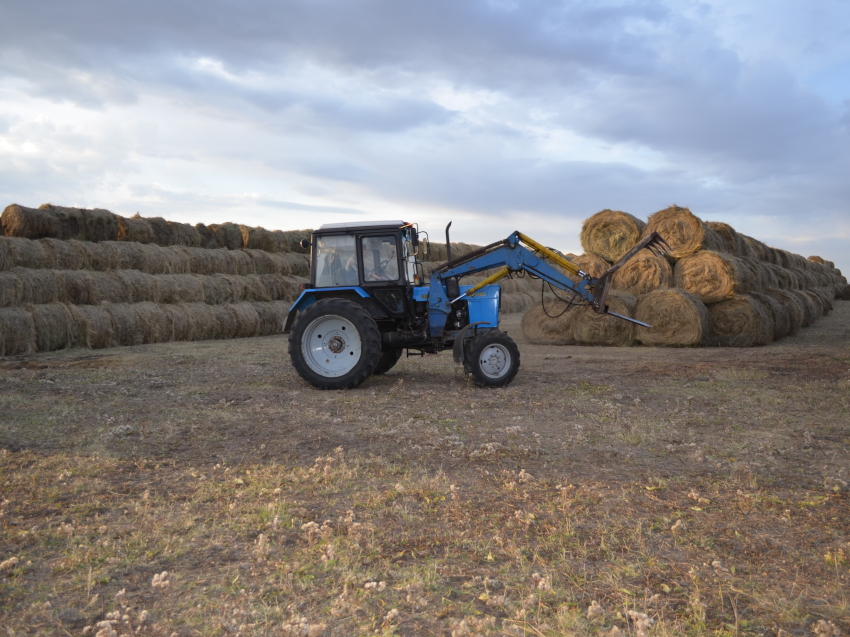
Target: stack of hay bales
(96, 225)
(57, 293)
(715, 287)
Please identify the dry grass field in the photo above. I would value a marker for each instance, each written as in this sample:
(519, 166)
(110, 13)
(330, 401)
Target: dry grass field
(201, 488)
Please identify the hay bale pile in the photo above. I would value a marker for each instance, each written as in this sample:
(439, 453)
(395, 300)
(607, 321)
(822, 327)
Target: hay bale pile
(58, 293)
(716, 287)
(58, 222)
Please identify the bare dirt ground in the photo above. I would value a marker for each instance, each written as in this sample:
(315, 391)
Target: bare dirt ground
(646, 491)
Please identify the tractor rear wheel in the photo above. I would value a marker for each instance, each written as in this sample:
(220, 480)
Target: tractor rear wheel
(491, 359)
(387, 361)
(334, 344)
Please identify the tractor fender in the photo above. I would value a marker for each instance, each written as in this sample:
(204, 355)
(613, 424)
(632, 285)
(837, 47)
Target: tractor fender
(311, 295)
(457, 350)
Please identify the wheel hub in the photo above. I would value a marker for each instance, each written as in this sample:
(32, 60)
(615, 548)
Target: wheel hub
(494, 361)
(336, 344)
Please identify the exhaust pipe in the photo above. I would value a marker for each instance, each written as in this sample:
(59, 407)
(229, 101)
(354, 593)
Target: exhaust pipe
(448, 243)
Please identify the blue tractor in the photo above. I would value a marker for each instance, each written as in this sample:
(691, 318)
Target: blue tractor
(368, 301)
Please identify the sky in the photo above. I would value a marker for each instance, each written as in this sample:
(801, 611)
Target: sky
(497, 115)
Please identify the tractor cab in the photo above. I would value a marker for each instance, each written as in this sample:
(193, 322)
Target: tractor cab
(371, 263)
(371, 253)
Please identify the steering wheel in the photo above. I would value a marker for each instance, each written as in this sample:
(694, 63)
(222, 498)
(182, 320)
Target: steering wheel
(379, 273)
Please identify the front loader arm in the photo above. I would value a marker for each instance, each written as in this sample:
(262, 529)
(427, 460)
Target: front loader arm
(510, 255)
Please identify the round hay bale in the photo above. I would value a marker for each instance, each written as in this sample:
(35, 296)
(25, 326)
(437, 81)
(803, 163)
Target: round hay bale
(55, 327)
(683, 231)
(241, 262)
(35, 223)
(96, 325)
(64, 255)
(225, 320)
(739, 322)
(217, 289)
(767, 278)
(208, 239)
(228, 235)
(780, 315)
(7, 261)
(135, 229)
(590, 328)
(11, 289)
(279, 287)
(180, 321)
(204, 320)
(816, 259)
(139, 287)
(80, 223)
(153, 323)
(712, 276)
(162, 235)
(643, 273)
(299, 264)
(131, 256)
(550, 323)
(281, 263)
(610, 234)
(17, 332)
(179, 288)
(183, 234)
(792, 306)
(165, 260)
(109, 288)
(826, 297)
(436, 252)
(100, 256)
(517, 302)
(40, 286)
(730, 239)
(677, 317)
(772, 255)
(125, 323)
(290, 240)
(817, 302)
(99, 225)
(260, 239)
(272, 316)
(255, 289)
(200, 261)
(245, 319)
(261, 262)
(78, 287)
(23, 253)
(844, 294)
(810, 311)
(757, 249)
(590, 263)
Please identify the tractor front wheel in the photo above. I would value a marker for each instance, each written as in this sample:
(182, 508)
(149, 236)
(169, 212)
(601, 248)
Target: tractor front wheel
(492, 359)
(334, 344)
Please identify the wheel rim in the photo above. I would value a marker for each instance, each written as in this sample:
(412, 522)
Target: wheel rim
(494, 361)
(331, 346)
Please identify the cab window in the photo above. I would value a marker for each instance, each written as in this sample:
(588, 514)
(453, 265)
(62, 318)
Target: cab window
(380, 258)
(336, 261)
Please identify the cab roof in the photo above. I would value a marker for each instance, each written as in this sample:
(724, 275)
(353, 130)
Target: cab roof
(353, 225)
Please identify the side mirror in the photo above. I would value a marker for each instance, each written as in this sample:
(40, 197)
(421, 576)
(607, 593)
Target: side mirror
(305, 243)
